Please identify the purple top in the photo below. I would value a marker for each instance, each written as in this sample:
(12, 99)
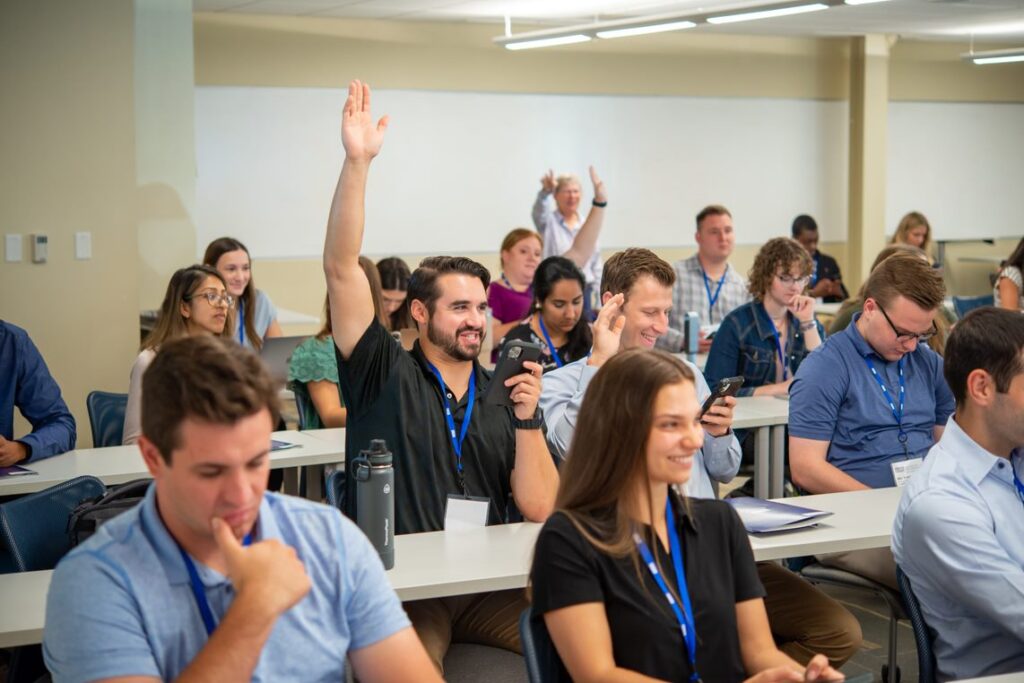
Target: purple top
(507, 306)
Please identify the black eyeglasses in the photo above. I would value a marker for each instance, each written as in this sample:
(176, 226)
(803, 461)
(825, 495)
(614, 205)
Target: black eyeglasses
(214, 298)
(907, 336)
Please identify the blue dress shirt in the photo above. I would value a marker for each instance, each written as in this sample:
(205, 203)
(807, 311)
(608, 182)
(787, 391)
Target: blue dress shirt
(745, 346)
(25, 382)
(835, 398)
(959, 537)
(562, 395)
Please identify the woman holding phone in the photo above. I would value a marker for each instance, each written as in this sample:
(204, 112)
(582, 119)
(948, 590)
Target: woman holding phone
(634, 582)
(557, 323)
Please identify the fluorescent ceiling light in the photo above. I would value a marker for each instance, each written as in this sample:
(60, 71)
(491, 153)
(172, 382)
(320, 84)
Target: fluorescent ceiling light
(995, 56)
(766, 14)
(987, 29)
(548, 42)
(862, 2)
(643, 30)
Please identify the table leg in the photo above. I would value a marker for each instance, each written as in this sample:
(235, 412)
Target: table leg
(777, 462)
(314, 491)
(291, 481)
(762, 454)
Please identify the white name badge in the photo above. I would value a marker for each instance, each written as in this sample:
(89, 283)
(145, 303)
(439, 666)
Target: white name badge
(903, 470)
(466, 512)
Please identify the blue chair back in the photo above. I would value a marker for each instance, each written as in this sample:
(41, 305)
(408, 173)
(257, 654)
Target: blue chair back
(336, 489)
(106, 417)
(923, 636)
(308, 417)
(35, 527)
(965, 304)
(543, 665)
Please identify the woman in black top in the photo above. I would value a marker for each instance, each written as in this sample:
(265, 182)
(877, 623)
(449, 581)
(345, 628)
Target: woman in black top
(608, 614)
(557, 321)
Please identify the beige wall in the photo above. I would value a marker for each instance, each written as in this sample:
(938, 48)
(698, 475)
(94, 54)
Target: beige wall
(68, 156)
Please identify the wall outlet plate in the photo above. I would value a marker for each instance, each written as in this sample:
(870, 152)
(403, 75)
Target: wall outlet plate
(12, 248)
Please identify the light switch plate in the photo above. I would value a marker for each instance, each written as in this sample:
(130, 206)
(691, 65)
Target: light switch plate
(12, 248)
(83, 246)
(40, 248)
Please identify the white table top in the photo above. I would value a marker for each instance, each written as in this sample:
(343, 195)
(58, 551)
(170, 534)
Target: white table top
(119, 464)
(760, 411)
(494, 558)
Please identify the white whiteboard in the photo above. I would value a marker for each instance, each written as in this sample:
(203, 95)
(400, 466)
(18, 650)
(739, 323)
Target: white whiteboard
(961, 164)
(458, 170)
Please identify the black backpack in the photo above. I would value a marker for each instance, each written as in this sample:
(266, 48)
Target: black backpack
(93, 513)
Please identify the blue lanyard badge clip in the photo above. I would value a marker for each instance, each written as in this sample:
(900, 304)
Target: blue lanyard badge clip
(457, 437)
(896, 413)
(712, 298)
(1016, 480)
(684, 615)
(199, 591)
(547, 339)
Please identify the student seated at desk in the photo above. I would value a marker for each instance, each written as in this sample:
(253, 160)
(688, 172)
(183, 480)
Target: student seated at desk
(394, 281)
(557, 323)
(633, 581)
(637, 295)
(943, 322)
(511, 296)
(210, 578)
(867, 405)
(457, 458)
(313, 369)
(1009, 288)
(26, 384)
(196, 302)
(915, 230)
(826, 279)
(765, 340)
(255, 318)
(959, 529)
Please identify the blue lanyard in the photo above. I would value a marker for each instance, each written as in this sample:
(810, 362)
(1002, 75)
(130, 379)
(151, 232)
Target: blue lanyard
(718, 290)
(778, 346)
(199, 591)
(1017, 482)
(450, 421)
(814, 269)
(241, 321)
(685, 615)
(898, 414)
(547, 338)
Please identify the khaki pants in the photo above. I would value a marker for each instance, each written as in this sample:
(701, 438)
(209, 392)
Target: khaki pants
(876, 564)
(805, 621)
(485, 619)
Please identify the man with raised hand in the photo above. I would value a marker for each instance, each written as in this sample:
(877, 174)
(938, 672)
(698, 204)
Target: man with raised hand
(959, 529)
(210, 578)
(458, 460)
(867, 405)
(637, 298)
(706, 283)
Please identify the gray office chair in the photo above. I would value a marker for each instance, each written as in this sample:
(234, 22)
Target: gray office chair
(818, 573)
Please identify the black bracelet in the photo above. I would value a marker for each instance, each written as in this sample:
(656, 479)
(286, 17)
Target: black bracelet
(598, 204)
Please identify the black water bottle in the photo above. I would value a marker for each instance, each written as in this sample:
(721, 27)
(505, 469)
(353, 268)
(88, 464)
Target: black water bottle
(375, 498)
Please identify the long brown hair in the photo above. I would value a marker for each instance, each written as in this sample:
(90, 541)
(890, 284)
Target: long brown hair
(914, 219)
(170, 324)
(608, 455)
(247, 301)
(375, 291)
(394, 274)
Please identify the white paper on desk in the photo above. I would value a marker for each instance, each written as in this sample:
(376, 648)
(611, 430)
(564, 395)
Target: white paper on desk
(767, 516)
(466, 512)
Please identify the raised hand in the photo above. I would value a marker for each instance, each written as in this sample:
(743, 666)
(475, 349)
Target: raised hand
(360, 136)
(269, 573)
(608, 330)
(599, 193)
(547, 181)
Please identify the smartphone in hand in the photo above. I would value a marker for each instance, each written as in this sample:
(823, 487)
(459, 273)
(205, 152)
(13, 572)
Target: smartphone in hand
(728, 386)
(513, 355)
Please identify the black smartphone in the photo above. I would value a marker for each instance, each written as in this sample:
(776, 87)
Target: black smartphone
(728, 386)
(510, 364)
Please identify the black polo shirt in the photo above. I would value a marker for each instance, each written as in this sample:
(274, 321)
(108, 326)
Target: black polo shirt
(720, 572)
(392, 394)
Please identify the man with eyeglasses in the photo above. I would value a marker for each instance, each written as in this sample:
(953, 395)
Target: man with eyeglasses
(869, 403)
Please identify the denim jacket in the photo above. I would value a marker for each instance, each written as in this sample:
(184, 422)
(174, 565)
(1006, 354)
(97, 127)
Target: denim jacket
(745, 346)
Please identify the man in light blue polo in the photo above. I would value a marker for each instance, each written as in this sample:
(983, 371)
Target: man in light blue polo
(959, 529)
(867, 405)
(210, 578)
